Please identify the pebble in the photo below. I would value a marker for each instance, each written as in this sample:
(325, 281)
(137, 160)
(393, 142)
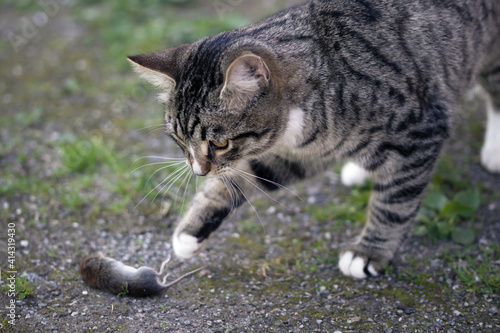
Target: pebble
(271, 210)
(494, 309)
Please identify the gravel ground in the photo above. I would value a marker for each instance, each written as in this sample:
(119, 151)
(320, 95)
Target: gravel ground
(278, 274)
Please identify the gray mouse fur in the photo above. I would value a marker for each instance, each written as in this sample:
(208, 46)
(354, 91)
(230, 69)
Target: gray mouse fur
(114, 276)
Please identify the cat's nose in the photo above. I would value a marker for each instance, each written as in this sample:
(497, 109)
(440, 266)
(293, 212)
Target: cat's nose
(200, 169)
(199, 164)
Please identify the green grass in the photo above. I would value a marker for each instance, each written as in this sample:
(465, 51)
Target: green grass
(23, 287)
(450, 202)
(353, 207)
(479, 274)
(127, 29)
(90, 167)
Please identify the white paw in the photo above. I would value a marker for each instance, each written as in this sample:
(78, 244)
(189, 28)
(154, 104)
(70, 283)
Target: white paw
(490, 154)
(490, 157)
(353, 175)
(351, 265)
(185, 246)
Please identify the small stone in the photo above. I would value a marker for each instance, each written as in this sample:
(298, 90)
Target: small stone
(319, 321)
(85, 292)
(494, 309)
(457, 313)
(24, 243)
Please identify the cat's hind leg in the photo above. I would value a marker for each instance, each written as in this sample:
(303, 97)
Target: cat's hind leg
(394, 203)
(398, 190)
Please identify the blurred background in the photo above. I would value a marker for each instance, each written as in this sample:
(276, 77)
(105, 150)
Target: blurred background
(74, 117)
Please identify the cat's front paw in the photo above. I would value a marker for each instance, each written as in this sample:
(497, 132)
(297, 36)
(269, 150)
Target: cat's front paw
(490, 157)
(360, 266)
(186, 246)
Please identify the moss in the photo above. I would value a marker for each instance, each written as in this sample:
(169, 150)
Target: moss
(401, 295)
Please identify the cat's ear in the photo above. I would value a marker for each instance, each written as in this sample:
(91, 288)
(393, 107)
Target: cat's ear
(161, 68)
(245, 77)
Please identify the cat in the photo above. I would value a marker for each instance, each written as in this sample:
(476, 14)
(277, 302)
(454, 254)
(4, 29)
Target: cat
(370, 82)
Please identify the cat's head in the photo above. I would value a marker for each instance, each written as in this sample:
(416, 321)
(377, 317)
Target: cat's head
(222, 104)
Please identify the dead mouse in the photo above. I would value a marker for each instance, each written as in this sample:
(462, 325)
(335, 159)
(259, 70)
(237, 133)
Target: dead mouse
(114, 276)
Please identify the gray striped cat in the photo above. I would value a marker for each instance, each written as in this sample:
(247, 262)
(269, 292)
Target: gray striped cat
(372, 82)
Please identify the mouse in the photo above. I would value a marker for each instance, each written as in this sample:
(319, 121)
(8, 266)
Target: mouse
(108, 274)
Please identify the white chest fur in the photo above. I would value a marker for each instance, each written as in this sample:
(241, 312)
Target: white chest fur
(293, 133)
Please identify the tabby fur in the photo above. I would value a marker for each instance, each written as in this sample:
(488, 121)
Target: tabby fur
(372, 82)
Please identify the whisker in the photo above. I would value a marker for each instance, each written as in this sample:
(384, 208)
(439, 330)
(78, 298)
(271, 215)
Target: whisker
(157, 186)
(160, 158)
(151, 131)
(268, 181)
(157, 163)
(159, 169)
(190, 175)
(261, 190)
(172, 182)
(154, 127)
(233, 201)
(246, 198)
(149, 126)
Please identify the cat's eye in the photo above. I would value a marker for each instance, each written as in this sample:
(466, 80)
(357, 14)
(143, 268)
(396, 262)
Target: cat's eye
(220, 144)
